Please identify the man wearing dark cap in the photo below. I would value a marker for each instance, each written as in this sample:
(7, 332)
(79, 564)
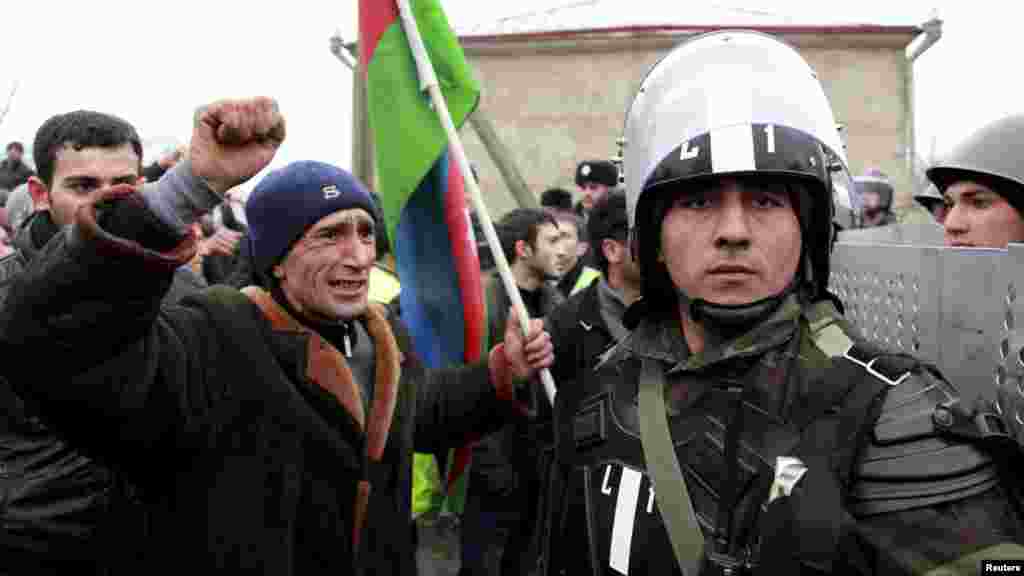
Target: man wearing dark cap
(594, 178)
(272, 428)
(13, 170)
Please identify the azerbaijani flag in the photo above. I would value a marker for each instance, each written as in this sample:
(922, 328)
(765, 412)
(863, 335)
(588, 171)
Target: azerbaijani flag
(421, 188)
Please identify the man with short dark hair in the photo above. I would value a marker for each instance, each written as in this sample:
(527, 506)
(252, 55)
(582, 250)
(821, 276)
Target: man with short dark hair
(13, 170)
(79, 152)
(557, 199)
(582, 329)
(503, 491)
(744, 426)
(574, 258)
(65, 512)
(530, 240)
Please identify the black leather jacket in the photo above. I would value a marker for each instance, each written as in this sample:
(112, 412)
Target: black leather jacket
(60, 510)
(52, 497)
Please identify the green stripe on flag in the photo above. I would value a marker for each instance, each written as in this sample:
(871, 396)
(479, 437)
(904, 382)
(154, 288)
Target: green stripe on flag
(408, 134)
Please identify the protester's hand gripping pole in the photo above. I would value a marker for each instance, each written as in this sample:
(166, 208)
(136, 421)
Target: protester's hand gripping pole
(428, 82)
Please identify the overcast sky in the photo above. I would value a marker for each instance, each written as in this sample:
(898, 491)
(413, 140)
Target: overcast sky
(153, 67)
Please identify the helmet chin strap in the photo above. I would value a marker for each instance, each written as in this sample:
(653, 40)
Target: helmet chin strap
(727, 321)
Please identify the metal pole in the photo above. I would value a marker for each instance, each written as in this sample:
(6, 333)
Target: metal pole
(932, 31)
(428, 81)
(362, 143)
(362, 165)
(362, 136)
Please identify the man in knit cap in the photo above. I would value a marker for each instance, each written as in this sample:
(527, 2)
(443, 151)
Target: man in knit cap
(272, 428)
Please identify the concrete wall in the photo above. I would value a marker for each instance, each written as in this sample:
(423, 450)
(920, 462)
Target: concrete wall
(557, 102)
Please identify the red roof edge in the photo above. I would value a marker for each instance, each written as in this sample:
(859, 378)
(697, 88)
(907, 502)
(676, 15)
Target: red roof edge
(683, 28)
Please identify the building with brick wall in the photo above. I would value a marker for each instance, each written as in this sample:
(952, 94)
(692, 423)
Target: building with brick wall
(556, 86)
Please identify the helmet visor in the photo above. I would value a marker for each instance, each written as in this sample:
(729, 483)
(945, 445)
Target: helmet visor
(737, 102)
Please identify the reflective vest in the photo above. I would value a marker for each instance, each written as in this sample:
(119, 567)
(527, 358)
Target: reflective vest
(384, 285)
(587, 276)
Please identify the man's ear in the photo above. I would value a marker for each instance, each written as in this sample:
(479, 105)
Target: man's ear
(39, 192)
(611, 250)
(278, 272)
(522, 249)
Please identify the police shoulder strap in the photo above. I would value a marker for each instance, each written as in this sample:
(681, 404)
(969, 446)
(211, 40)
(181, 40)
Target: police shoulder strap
(670, 487)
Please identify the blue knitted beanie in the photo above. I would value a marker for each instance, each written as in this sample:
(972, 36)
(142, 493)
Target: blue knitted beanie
(290, 200)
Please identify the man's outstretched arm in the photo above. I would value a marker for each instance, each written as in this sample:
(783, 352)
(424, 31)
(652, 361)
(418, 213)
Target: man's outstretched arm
(89, 304)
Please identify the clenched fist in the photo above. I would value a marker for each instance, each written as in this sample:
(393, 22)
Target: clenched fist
(232, 140)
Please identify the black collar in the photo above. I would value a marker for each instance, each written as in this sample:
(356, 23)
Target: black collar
(341, 335)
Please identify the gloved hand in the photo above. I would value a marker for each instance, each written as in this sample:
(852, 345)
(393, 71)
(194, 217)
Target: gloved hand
(116, 223)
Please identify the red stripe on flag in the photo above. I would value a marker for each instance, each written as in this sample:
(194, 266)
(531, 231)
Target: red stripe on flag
(467, 265)
(375, 16)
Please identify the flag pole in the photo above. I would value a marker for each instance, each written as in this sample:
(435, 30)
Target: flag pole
(428, 82)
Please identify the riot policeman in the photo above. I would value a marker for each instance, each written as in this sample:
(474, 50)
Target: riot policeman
(582, 328)
(933, 202)
(982, 183)
(876, 192)
(743, 427)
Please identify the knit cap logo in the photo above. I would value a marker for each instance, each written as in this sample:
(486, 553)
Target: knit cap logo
(331, 192)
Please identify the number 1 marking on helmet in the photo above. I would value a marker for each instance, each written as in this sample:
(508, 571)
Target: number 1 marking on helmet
(605, 488)
(687, 151)
(769, 131)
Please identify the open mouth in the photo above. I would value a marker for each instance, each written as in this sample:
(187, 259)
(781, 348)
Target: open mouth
(349, 285)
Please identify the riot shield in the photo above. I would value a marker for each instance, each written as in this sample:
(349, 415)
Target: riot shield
(954, 307)
(926, 233)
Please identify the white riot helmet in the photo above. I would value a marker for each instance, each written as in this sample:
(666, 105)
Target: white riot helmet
(733, 103)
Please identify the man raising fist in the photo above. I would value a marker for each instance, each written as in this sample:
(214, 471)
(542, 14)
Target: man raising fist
(63, 510)
(272, 428)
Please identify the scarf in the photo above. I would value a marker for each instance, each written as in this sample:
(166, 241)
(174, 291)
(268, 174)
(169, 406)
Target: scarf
(327, 368)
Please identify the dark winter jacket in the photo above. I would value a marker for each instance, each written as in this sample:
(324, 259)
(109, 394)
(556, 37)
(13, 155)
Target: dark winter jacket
(62, 512)
(492, 456)
(579, 334)
(222, 269)
(248, 464)
(13, 174)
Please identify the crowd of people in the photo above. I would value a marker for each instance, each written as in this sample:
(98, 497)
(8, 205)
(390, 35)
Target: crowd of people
(232, 387)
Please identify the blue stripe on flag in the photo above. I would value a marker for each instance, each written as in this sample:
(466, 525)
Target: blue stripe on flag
(431, 300)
